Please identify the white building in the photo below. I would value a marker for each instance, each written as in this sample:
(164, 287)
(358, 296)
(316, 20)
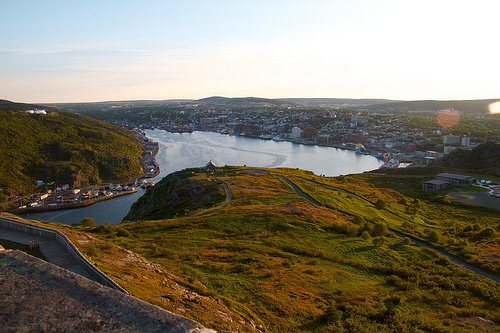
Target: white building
(450, 139)
(36, 111)
(296, 132)
(465, 141)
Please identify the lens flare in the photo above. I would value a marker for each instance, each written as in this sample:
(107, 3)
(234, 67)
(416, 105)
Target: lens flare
(448, 118)
(494, 108)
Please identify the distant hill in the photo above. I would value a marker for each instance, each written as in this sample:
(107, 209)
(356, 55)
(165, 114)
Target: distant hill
(61, 147)
(484, 159)
(243, 101)
(370, 104)
(329, 102)
(470, 106)
(310, 102)
(85, 107)
(8, 105)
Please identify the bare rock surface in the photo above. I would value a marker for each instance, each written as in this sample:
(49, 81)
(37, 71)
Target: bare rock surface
(40, 297)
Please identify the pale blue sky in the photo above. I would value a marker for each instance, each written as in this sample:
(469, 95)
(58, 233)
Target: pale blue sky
(78, 51)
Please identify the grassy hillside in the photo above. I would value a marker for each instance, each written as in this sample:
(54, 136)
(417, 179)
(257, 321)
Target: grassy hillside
(484, 159)
(273, 261)
(61, 147)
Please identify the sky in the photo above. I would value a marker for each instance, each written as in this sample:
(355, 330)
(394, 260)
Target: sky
(85, 51)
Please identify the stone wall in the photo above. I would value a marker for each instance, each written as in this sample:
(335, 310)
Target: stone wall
(62, 239)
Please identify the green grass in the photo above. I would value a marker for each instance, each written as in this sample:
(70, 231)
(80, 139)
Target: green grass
(272, 256)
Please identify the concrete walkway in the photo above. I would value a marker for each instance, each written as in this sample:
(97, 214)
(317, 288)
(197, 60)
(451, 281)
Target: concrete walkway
(54, 251)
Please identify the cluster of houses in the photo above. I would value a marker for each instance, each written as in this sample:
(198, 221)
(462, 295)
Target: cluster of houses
(65, 195)
(36, 111)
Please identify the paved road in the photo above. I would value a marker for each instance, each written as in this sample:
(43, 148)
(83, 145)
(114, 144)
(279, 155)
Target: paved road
(54, 251)
(482, 199)
(417, 242)
(299, 191)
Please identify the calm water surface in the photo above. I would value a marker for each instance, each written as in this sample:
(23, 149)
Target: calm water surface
(179, 151)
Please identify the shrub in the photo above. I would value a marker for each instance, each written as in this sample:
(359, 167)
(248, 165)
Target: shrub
(468, 228)
(403, 201)
(101, 228)
(406, 241)
(365, 235)
(379, 229)
(381, 204)
(406, 225)
(378, 241)
(358, 219)
(433, 236)
(86, 222)
(488, 232)
(122, 232)
(92, 250)
(332, 314)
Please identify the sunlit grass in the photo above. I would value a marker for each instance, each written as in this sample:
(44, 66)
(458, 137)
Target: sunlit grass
(273, 257)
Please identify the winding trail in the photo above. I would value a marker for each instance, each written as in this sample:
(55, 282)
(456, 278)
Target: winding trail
(229, 197)
(299, 191)
(414, 240)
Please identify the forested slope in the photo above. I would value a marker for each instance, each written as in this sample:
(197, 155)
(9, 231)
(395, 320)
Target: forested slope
(61, 147)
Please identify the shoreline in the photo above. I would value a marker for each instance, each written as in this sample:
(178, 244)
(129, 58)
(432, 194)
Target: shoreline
(75, 205)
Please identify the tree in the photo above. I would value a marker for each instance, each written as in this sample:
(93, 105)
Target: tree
(381, 204)
(379, 229)
(87, 222)
(433, 236)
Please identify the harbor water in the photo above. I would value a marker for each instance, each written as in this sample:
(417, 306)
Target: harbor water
(184, 150)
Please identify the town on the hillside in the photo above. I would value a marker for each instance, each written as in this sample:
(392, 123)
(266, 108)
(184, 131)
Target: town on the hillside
(398, 136)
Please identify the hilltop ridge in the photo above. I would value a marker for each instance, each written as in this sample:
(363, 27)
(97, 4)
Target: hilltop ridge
(484, 158)
(369, 104)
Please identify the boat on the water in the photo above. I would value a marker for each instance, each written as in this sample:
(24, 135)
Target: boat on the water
(389, 161)
(360, 149)
(278, 138)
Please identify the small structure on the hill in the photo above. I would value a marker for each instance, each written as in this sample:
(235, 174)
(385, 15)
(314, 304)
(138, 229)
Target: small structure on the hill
(210, 167)
(445, 180)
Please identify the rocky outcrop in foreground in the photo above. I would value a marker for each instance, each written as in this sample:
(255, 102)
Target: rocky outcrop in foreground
(38, 297)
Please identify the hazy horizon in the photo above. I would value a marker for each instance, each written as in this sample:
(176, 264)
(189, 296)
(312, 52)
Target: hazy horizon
(70, 52)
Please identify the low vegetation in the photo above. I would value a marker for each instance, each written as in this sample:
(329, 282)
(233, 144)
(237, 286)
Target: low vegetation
(272, 261)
